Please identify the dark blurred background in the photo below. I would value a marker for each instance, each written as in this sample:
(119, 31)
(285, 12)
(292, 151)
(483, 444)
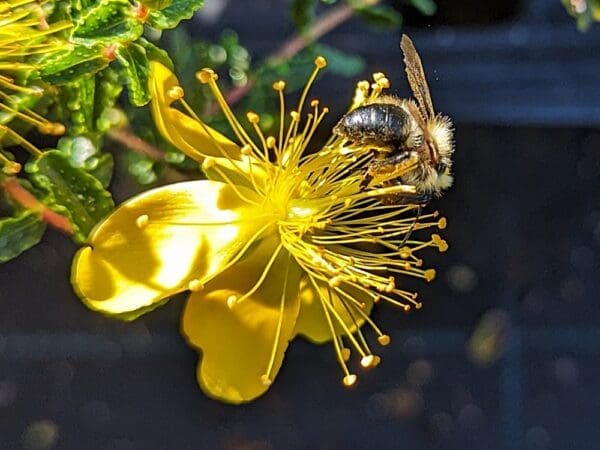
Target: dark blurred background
(505, 352)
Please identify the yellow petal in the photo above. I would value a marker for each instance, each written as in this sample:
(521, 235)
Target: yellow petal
(192, 137)
(156, 243)
(240, 340)
(312, 322)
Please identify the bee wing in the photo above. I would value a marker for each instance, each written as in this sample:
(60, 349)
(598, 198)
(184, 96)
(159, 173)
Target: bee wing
(416, 77)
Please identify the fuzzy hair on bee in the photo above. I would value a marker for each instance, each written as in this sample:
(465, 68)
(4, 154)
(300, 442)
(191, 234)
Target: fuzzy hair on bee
(412, 145)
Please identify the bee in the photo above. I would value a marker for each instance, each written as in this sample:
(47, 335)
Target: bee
(412, 145)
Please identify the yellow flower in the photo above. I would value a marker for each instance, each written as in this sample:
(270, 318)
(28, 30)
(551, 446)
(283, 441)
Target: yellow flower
(280, 240)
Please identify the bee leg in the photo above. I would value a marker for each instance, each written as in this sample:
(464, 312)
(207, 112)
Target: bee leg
(420, 199)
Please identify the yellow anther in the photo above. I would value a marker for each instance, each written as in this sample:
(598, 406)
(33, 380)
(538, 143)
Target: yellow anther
(314, 103)
(370, 361)
(295, 116)
(325, 109)
(175, 93)
(206, 75)
(442, 246)
(231, 300)
(345, 351)
(406, 308)
(265, 380)
(208, 163)
(253, 117)
(442, 223)
(11, 168)
(195, 285)
(383, 83)
(142, 221)
(380, 229)
(279, 85)
(320, 62)
(271, 142)
(347, 203)
(246, 150)
(418, 305)
(429, 274)
(405, 252)
(378, 76)
(384, 340)
(335, 281)
(377, 299)
(349, 380)
(363, 85)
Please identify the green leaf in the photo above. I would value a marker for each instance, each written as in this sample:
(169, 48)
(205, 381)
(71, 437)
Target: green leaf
(106, 22)
(135, 68)
(19, 233)
(155, 53)
(340, 63)
(173, 14)
(303, 13)
(68, 65)
(425, 7)
(101, 167)
(156, 4)
(70, 192)
(381, 17)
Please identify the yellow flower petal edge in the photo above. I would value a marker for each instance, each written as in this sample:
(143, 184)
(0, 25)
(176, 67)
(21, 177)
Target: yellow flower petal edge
(242, 321)
(159, 242)
(352, 314)
(189, 135)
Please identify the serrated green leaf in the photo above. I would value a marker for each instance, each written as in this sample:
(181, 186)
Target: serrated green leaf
(340, 63)
(381, 17)
(19, 233)
(106, 22)
(176, 12)
(68, 65)
(425, 7)
(156, 4)
(303, 13)
(71, 192)
(136, 70)
(155, 53)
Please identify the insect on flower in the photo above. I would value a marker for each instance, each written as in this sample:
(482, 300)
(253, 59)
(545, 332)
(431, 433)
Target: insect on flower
(282, 239)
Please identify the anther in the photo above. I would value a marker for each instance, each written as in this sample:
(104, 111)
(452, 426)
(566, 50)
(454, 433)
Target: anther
(378, 76)
(175, 93)
(206, 75)
(349, 380)
(429, 274)
(195, 285)
(335, 281)
(253, 117)
(279, 85)
(345, 351)
(246, 150)
(58, 129)
(208, 163)
(231, 300)
(442, 223)
(320, 62)
(369, 361)
(11, 168)
(314, 103)
(271, 142)
(404, 252)
(418, 305)
(325, 110)
(406, 308)
(266, 380)
(384, 340)
(295, 116)
(142, 221)
(377, 299)
(384, 83)
(363, 85)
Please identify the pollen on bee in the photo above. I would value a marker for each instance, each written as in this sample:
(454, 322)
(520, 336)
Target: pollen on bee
(142, 221)
(175, 93)
(349, 380)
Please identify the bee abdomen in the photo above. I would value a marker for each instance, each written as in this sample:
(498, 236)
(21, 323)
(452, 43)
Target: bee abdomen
(378, 124)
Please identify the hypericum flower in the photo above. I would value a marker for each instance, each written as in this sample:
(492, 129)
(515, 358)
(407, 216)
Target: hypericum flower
(281, 240)
(24, 36)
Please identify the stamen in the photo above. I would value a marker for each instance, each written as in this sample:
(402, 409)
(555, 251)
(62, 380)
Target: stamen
(349, 380)
(195, 285)
(142, 221)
